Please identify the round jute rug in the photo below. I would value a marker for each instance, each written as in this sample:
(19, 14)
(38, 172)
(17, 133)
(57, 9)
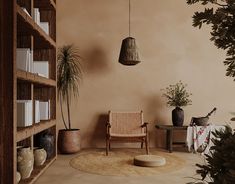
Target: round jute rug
(119, 162)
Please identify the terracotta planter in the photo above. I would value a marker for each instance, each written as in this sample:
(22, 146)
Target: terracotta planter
(69, 141)
(178, 116)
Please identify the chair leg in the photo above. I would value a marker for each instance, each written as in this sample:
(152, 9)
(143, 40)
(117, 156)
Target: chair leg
(142, 144)
(107, 146)
(147, 145)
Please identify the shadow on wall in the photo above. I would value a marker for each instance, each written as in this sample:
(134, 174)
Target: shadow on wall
(99, 131)
(155, 110)
(96, 60)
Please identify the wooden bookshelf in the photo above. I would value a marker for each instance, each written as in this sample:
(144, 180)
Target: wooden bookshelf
(19, 30)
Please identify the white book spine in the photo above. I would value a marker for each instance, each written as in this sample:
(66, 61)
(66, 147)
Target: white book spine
(24, 113)
(30, 113)
(37, 111)
(31, 62)
(45, 27)
(49, 109)
(22, 55)
(41, 68)
(44, 109)
(37, 16)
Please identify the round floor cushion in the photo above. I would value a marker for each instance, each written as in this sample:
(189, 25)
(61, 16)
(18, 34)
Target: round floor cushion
(149, 160)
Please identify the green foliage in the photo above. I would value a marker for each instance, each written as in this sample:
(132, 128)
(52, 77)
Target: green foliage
(68, 71)
(222, 19)
(220, 165)
(68, 76)
(176, 95)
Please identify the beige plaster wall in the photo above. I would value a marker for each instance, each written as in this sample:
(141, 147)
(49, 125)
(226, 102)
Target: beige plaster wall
(171, 50)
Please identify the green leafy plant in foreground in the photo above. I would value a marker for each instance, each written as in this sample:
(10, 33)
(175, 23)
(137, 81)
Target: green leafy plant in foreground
(221, 15)
(177, 95)
(220, 163)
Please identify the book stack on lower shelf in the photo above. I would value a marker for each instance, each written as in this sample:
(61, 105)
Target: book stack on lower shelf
(24, 59)
(25, 112)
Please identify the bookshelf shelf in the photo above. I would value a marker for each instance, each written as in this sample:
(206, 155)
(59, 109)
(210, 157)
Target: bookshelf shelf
(25, 132)
(34, 78)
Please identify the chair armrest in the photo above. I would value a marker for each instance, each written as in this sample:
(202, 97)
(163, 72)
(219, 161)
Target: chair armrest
(108, 125)
(144, 125)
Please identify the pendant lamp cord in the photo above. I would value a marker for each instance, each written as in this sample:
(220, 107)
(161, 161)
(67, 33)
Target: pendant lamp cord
(129, 18)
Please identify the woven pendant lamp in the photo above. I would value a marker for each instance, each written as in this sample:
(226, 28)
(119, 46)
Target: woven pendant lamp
(129, 51)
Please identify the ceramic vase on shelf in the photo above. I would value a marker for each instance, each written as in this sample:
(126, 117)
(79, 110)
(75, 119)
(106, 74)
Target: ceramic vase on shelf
(40, 156)
(47, 142)
(25, 162)
(18, 177)
(178, 116)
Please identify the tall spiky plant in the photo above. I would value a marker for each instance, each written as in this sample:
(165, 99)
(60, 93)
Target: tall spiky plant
(69, 75)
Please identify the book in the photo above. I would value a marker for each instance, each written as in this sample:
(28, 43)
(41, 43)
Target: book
(24, 113)
(45, 27)
(41, 68)
(25, 10)
(31, 69)
(37, 111)
(44, 110)
(36, 16)
(22, 58)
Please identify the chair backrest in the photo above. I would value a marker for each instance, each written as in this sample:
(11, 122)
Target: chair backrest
(126, 122)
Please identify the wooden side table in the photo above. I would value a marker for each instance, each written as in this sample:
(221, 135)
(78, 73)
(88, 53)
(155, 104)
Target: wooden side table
(169, 135)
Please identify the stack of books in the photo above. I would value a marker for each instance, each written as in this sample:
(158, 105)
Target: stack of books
(43, 25)
(24, 59)
(24, 113)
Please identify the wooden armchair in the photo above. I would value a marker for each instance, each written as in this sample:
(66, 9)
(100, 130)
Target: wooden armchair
(126, 127)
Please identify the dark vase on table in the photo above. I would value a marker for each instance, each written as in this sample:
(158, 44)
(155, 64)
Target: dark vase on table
(178, 116)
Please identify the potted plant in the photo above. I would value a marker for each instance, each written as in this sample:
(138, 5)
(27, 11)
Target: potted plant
(177, 97)
(68, 76)
(219, 167)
